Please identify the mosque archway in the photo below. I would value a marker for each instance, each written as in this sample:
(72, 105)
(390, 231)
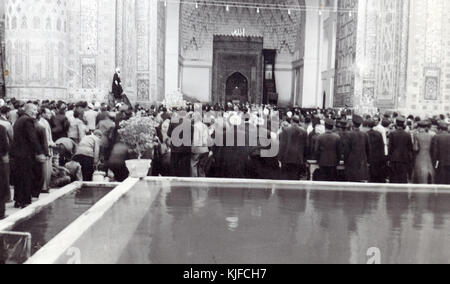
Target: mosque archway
(237, 88)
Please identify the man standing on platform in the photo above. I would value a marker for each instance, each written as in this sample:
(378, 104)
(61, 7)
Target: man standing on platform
(358, 151)
(117, 89)
(292, 150)
(26, 150)
(440, 151)
(328, 151)
(400, 152)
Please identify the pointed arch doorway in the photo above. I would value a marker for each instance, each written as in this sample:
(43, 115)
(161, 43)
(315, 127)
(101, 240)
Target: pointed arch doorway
(237, 88)
(237, 69)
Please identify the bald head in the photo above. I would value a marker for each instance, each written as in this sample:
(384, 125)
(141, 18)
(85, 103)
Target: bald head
(31, 110)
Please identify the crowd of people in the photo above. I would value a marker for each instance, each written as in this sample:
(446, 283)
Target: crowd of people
(48, 144)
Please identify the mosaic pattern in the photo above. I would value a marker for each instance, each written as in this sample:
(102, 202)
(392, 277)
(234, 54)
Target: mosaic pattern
(36, 33)
(198, 26)
(140, 48)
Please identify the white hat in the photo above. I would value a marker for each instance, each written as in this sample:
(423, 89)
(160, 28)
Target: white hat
(2, 102)
(90, 105)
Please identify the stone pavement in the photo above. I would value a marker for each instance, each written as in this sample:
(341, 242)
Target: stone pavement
(10, 210)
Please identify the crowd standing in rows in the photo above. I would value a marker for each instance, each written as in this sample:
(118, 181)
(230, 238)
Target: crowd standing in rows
(47, 145)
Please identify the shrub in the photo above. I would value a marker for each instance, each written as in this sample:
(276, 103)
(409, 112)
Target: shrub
(139, 134)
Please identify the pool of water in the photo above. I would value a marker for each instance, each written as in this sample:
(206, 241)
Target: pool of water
(54, 218)
(220, 223)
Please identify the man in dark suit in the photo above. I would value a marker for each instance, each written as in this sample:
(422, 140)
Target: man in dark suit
(358, 151)
(180, 132)
(377, 160)
(343, 132)
(60, 124)
(4, 170)
(293, 142)
(440, 152)
(117, 89)
(26, 149)
(400, 153)
(328, 151)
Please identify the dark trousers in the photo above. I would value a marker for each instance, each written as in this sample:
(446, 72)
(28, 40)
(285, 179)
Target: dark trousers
(443, 175)
(4, 188)
(120, 172)
(87, 166)
(38, 178)
(399, 173)
(291, 171)
(328, 174)
(181, 164)
(24, 183)
(5, 193)
(378, 172)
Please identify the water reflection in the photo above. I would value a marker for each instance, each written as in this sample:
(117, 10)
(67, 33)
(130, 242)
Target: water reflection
(53, 219)
(213, 223)
(439, 205)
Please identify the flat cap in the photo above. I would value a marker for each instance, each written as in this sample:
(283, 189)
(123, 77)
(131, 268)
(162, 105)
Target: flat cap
(400, 120)
(357, 119)
(424, 123)
(443, 125)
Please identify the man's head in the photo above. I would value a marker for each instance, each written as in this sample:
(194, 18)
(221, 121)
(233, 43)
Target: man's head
(357, 121)
(443, 126)
(31, 110)
(98, 133)
(46, 113)
(4, 110)
(118, 70)
(424, 124)
(296, 120)
(329, 124)
(401, 122)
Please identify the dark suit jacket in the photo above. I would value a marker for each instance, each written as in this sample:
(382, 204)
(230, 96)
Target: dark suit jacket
(60, 126)
(187, 141)
(400, 147)
(376, 142)
(344, 135)
(328, 149)
(4, 142)
(293, 141)
(101, 116)
(356, 159)
(440, 149)
(26, 144)
(41, 134)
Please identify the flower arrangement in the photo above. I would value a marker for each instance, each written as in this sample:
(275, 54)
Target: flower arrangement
(139, 134)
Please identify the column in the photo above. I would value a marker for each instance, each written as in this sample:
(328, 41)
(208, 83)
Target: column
(311, 75)
(172, 47)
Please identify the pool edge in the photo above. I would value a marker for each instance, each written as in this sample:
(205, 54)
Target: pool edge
(61, 243)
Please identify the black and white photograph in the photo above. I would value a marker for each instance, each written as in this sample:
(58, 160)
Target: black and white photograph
(224, 137)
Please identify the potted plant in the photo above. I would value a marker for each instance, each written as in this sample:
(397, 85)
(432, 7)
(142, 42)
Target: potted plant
(139, 134)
